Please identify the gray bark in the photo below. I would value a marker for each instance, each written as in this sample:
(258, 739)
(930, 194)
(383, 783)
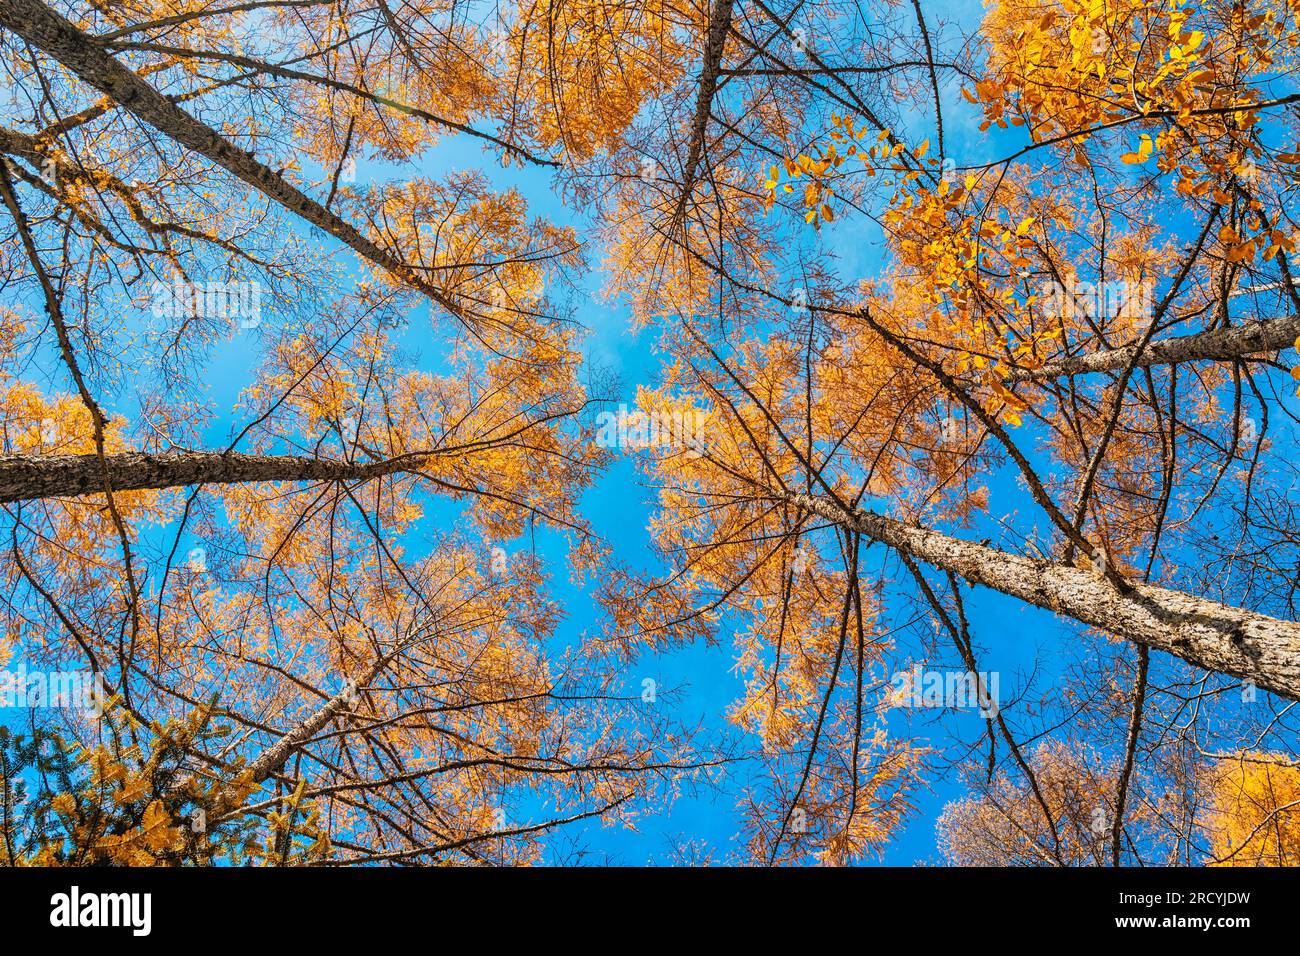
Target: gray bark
(714, 44)
(1224, 344)
(27, 477)
(60, 39)
(271, 760)
(1209, 635)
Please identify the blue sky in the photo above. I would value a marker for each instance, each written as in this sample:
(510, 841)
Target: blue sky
(1014, 640)
(620, 507)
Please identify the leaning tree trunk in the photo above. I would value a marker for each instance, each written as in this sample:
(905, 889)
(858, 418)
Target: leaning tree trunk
(27, 477)
(715, 41)
(59, 38)
(270, 760)
(1212, 636)
(1234, 342)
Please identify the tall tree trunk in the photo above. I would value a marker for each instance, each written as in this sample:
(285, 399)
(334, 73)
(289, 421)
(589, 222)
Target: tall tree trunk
(714, 43)
(26, 477)
(1212, 636)
(59, 38)
(1234, 342)
(270, 760)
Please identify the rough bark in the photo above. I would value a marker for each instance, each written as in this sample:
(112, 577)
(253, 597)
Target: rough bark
(1234, 342)
(27, 477)
(14, 143)
(715, 42)
(60, 39)
(1209, 635)
(256, 66)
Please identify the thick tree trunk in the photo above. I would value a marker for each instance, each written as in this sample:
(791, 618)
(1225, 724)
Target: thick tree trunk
(1212, 636)
(26, 477)
(57, 37)
(1234, 342)
(19, 144)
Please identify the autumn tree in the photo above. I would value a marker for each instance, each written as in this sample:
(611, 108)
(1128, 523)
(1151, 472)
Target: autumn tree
(1078, 344)
(395, 673)
(999, 305)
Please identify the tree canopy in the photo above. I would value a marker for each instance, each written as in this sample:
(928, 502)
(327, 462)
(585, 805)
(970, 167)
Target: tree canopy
(958, 395)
